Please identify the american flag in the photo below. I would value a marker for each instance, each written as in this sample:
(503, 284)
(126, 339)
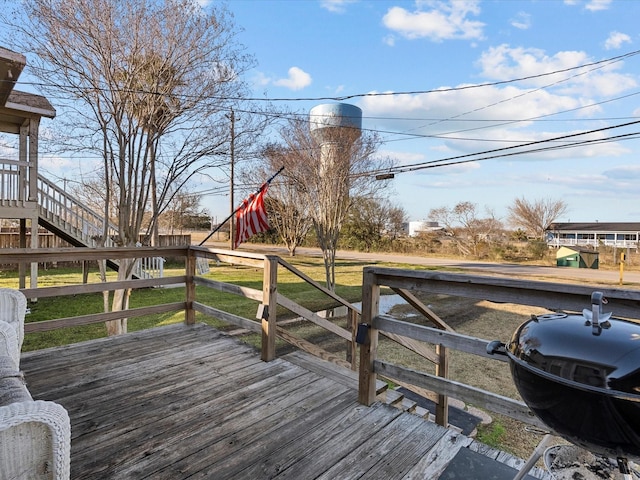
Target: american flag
(251, 217)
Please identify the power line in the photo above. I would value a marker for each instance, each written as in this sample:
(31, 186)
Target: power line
(447, 135)
(451, 160)
(376, 94)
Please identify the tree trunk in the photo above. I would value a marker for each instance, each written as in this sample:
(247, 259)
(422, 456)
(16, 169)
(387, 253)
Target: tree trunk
(121, 299)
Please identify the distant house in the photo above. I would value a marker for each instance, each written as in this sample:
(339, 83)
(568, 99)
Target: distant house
(577, 257)
(610, 234)
(422, 226)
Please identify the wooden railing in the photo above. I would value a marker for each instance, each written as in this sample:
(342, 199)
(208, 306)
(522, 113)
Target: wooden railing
(267, 299)
(432, 343)
(552, 296)
(12, 176)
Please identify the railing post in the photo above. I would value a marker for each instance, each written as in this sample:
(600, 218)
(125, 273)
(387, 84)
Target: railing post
(352, 346)
(369, 349)
(32, 194)
(270, 305)
(442, 370)
(22, 266)
(190, 267)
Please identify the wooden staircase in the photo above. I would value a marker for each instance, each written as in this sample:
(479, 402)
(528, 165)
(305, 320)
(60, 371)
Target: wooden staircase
(65, 216)
(70, 219)
(60, 213)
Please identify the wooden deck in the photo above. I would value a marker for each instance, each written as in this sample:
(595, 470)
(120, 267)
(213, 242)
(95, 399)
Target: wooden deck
(181, 402)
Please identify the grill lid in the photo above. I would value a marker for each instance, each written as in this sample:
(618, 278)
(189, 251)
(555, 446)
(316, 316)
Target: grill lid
(592, 349)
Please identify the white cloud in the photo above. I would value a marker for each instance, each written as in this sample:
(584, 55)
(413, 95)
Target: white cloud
(402, 158)
(336, 6)
(506, 63)
(56, 163)
(522, 21)
(261, 79)
(624, 172)
(297, 79)
(481, 119)
(444, 21)
(592, 5)
(616, 39)
(455, 112)
(596, 5)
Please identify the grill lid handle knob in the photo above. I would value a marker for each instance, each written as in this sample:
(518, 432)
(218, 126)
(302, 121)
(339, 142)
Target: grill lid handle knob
(597, 300)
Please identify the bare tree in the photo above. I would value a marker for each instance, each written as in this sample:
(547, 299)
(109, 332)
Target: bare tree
(327, 188)
(469, 230)
(535, 217)
(142, 85)
(182, 210)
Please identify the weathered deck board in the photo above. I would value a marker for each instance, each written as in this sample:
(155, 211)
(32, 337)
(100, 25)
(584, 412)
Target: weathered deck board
(190, 402)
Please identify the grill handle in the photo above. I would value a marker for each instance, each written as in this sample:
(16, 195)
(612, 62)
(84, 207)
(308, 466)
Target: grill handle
(496, 348)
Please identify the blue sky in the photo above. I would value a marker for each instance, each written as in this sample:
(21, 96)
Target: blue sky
(327, 49)
(443, 79)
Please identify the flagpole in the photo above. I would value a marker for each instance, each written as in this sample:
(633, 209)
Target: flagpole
(239, 207)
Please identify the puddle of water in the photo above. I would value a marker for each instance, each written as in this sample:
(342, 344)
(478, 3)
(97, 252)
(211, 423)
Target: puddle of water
(387, 302)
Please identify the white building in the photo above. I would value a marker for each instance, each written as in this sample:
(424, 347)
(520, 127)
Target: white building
(611, 234)
(422, 227)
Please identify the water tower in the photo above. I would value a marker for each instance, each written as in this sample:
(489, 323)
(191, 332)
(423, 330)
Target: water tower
(335, 126)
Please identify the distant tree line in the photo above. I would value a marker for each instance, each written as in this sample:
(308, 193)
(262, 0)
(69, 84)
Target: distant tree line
(465, 230)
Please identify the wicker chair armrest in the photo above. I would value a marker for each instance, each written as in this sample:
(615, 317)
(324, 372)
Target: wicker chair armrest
(9, 345)
(13, 308)
(35, 440)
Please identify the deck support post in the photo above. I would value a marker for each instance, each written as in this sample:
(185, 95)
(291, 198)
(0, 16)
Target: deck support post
(32, 194)
(369, 349)
(270, 304)
(23, 147)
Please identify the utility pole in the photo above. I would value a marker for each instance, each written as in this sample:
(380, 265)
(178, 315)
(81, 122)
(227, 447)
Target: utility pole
(232, 117)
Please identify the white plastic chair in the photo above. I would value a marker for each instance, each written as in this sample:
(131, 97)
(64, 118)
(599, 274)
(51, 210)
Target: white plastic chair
(35, 436)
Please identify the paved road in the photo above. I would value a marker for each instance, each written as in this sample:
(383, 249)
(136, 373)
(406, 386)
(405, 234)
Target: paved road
(553, 274)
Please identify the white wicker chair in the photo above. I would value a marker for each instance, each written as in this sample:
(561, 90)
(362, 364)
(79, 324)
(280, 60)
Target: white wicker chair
(35, 436)
(13, 307)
